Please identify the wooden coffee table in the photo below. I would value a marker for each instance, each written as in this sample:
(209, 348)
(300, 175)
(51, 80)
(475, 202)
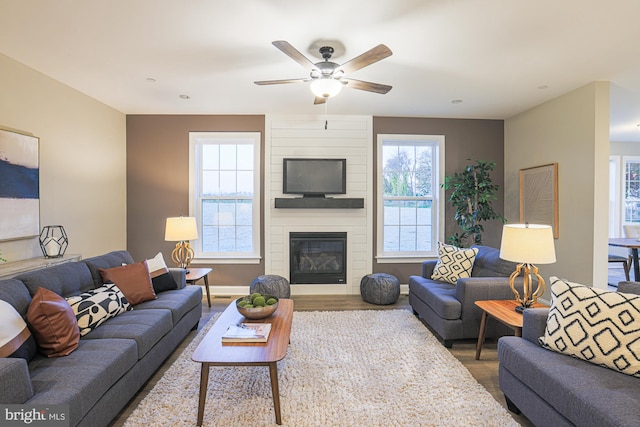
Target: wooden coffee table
(211, 351)
(503, 311)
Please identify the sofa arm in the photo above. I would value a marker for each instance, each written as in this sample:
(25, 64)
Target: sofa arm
(629, 287)
(534, 322)
(179, 275)
(427, 268)
(15, 381)
(472, 289)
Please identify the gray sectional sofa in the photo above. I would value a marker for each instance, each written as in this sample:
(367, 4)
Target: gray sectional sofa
(111, 362)
(449, 309)
(553, 389)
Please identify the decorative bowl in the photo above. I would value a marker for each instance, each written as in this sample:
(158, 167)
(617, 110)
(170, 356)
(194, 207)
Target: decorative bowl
(254, 313)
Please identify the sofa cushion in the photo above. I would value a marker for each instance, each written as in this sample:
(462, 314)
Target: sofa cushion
(53, 324)
(178, 301)
(160, 277)
(145, 327)
(132, 279)
(82, 378)
(15, 337)
(111, 259)
(70, 278)
(453, 263)
(598, 326)
(93, 308)
(489, 264)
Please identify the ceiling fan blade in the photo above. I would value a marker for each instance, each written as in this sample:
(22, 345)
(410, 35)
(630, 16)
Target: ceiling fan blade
(373, 55)
(280, 82)
(294, 54)
(368, 86)
(319, 100)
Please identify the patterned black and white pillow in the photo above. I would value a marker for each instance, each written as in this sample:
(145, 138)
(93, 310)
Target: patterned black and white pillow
(161, 279)
(15, 337)
(453, 263)
(94, 307)
(595, 325)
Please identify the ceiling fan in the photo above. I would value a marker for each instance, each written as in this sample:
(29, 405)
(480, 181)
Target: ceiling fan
(327, 78)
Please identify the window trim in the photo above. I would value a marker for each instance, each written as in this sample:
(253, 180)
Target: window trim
(195, 179)
(438, 199)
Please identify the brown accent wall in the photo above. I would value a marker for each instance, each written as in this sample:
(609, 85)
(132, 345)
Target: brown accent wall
(464, 138)
(158, 183)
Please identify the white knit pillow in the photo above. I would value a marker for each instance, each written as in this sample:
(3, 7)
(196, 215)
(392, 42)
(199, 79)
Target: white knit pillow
(453, 263)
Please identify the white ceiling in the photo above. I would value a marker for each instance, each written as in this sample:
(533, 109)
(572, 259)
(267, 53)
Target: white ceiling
(500, 57)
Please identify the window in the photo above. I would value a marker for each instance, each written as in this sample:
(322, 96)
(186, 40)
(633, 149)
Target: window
(631, 190)
(410, 170)
(225, 194)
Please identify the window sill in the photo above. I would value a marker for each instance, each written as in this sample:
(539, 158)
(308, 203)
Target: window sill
(229, 260)
(404, 259)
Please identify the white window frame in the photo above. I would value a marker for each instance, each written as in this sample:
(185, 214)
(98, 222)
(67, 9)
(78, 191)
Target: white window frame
(438, 142)
(196, 141)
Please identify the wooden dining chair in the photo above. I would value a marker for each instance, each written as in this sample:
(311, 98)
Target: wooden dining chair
(626, 263)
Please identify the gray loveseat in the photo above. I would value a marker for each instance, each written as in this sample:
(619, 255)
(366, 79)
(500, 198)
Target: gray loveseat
(112, 361)
(449, 309)
(553, 389)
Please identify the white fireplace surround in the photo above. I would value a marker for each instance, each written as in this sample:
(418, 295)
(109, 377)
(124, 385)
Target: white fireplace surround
(348, 137)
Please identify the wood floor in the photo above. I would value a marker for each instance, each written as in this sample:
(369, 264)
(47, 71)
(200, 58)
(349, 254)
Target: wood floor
(485, 371)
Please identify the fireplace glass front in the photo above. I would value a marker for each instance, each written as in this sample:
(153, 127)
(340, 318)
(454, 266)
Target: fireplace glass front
(317, 258)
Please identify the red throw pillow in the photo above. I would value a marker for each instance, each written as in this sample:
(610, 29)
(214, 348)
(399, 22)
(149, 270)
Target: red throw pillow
(133, 280)
(53, 323)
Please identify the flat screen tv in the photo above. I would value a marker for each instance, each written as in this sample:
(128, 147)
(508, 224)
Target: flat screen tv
(314, 177)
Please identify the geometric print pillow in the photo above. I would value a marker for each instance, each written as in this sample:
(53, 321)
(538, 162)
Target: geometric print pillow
(598, 326)
(94, 307)
(453, 263)
(161, 279)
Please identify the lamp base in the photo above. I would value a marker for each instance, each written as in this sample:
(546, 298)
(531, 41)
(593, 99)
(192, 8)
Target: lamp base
(520, 309)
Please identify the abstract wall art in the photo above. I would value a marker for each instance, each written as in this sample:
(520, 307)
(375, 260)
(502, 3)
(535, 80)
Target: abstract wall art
(539, 196)
(19, 185)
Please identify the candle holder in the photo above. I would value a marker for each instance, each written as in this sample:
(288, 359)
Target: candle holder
(53, 241)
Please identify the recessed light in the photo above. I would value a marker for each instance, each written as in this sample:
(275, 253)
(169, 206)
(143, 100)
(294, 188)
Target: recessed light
(456, 101)
(151, 80)
(185, 96)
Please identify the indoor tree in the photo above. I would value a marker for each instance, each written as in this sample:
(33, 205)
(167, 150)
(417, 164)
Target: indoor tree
(472, 195)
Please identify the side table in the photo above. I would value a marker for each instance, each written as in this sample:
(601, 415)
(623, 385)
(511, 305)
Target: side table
(196, 274)
(504, 311)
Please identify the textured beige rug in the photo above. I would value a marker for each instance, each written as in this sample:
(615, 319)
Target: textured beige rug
(345, 368)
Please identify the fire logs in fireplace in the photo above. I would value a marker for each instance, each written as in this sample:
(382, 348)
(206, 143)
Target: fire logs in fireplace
(317, 258)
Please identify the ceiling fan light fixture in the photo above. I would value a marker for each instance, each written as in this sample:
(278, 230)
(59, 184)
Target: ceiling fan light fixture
(325, 87)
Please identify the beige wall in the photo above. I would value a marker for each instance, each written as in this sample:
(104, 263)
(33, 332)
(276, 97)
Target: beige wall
(464, 138)
(158, 183)
(573, 131)
(82, 160)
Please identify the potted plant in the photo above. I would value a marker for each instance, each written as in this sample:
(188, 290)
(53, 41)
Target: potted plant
(472, 195)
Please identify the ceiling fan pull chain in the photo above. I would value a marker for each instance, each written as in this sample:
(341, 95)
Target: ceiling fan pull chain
(326, 114)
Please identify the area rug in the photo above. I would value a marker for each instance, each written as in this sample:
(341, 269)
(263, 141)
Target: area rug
(343, 368)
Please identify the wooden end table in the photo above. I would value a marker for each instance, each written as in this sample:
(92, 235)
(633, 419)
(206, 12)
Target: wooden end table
(212, 352)
(196, 274)
(504, 311)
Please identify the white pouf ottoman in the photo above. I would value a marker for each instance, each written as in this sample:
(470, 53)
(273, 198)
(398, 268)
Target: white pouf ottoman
(271, 284)
(380, 288)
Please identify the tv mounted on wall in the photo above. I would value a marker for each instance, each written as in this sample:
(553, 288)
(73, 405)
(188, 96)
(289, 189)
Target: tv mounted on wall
(314, 177)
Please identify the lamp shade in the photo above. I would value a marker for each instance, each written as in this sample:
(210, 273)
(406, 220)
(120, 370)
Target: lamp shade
(528, 243)
(325, 87)
(181, 228)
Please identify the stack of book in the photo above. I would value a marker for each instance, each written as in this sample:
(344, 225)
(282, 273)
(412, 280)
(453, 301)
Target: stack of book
(247, 332)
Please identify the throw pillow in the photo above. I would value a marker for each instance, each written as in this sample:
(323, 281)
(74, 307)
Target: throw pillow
(94, 307)
(598, 326)
(161, 279)
(132, 279)
(453, 263)
(15, 338)
(53, 323)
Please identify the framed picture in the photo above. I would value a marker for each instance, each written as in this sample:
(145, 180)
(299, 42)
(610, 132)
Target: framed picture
(539, 196)
(19, 185)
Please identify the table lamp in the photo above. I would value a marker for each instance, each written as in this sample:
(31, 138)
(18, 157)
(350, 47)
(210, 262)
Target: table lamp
(181, 229)
(527, 244)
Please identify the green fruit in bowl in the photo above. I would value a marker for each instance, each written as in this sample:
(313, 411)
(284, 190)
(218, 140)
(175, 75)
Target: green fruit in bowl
(253, 296)
(271, 301)
(259, 301)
